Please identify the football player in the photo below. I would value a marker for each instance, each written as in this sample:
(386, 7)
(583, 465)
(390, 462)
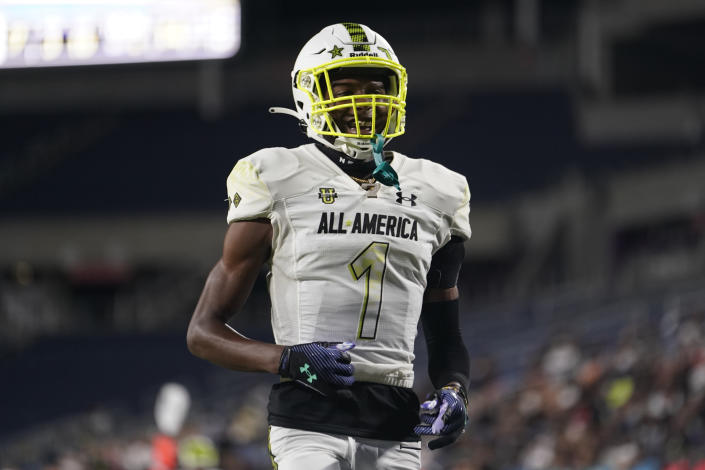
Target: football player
(361, 243)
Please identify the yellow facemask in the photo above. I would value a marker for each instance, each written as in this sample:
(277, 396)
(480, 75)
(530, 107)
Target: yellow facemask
(316, 83)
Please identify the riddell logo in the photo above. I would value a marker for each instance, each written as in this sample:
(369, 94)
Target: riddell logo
(362, 54)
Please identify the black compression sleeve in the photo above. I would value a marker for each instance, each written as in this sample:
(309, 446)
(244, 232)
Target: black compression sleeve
(448, 358)
(445, 265)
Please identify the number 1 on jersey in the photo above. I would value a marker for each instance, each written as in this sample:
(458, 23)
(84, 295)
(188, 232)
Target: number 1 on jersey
(372, 264)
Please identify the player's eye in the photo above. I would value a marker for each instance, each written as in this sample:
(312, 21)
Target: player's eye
(341, 91)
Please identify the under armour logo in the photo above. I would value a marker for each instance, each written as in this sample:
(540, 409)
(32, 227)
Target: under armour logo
(305, 370)
(401, 198)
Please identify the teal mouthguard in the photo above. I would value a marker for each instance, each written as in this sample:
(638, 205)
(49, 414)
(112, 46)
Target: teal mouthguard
(384, 173)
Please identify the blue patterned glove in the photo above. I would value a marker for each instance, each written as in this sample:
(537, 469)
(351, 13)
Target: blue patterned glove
(444, 414)
(319, 366)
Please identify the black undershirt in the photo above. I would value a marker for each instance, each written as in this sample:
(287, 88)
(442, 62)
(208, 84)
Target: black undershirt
(369, 410)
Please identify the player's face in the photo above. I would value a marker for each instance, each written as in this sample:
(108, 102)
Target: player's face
(351, 84)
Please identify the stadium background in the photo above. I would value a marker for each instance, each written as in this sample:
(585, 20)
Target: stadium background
(580, 126)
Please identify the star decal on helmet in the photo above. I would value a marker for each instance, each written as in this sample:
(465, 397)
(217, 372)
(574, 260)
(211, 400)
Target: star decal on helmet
(336, 52)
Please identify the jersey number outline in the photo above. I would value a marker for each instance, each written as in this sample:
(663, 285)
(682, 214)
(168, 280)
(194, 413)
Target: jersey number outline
(372, 264)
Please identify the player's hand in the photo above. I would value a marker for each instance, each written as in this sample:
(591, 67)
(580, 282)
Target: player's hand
(318, 366)
(444, 414)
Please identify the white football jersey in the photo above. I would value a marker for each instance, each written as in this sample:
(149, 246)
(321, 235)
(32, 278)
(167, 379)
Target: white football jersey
(350, 264)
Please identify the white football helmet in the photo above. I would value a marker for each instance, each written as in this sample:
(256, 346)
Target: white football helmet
(343, 46)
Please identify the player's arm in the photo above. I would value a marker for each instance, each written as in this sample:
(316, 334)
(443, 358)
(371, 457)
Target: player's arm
(448, 361)
(314, 365)
(440, 318)
(246, 248)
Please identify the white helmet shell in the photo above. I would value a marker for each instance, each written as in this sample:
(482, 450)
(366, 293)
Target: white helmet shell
(340, 46)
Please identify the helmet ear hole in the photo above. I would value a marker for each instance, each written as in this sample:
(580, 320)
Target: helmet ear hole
(300, 104)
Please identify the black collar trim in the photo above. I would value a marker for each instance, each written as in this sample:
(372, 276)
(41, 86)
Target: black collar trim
(351, 166)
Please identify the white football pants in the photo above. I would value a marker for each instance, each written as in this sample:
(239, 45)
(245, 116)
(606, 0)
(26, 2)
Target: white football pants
(294, 449)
